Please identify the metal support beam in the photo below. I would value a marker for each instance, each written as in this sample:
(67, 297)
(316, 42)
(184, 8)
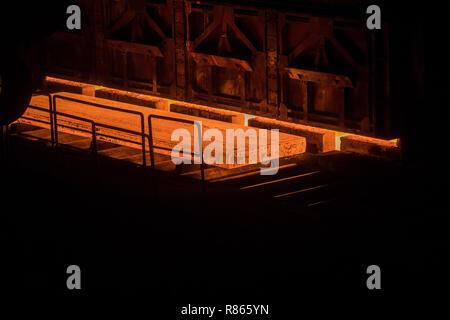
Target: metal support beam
(272, 61)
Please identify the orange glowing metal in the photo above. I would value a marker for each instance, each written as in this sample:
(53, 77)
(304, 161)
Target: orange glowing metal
(289, 145)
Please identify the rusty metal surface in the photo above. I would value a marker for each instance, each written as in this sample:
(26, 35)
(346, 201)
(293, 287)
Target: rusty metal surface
(302, 62)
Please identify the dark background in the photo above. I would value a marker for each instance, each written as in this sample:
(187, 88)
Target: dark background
(219, 249)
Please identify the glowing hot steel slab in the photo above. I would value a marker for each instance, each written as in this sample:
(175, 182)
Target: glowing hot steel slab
(162, 130)
(318, 139)
(371, 146)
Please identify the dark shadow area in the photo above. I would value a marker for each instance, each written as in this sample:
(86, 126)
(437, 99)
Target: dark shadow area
(224, 246)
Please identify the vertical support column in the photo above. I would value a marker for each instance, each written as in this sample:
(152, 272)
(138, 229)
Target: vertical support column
(305, 99)
(342, 111)
(242, 91)
(191, 77)
(367, 123)
(372, 96)
(110, 55)
(272, 63)
(180, 48)
(154, 72)
(386, 63)
(190, 66)
(125, 67)
(210, 84)
(99, 71)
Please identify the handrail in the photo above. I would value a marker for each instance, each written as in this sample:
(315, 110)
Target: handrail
(142, 133)
(93, 129)
(54, 136)
(102, 125)
(50, 122)
(54, 129)
(151, 146)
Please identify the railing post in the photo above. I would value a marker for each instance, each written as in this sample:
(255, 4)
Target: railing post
(150, 141)
(202, 169)
(193, 154)
(50, 108)
(152, 156)
(55, 122)
(94, 138)
(202, 163)
(144, 156)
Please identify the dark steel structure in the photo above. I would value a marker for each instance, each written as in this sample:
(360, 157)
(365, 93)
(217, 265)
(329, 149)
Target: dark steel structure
(312, 62)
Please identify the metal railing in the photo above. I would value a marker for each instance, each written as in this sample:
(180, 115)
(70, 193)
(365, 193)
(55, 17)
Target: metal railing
(92, 131)
(50, 122)
(53, 122)
(142, 133)
(152, 146)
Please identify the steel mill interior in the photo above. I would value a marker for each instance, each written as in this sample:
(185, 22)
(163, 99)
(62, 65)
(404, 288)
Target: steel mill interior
(324, 181)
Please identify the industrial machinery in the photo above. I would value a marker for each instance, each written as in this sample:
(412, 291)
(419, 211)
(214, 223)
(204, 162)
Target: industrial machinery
(309, 62)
